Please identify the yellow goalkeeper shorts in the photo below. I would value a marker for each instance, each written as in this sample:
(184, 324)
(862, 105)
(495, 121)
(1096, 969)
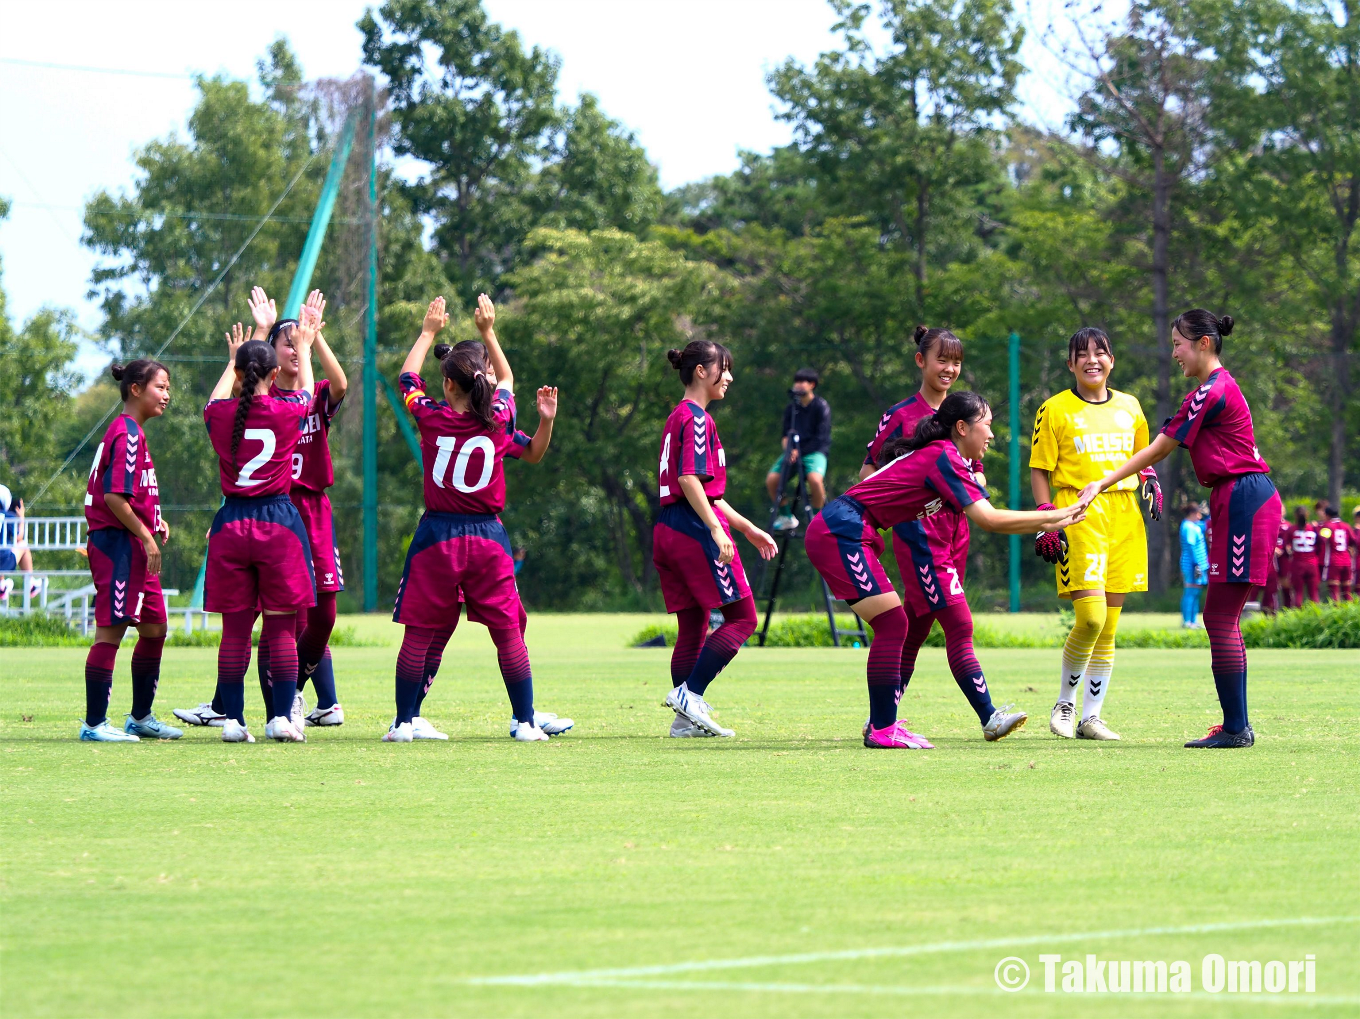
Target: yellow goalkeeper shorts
(1108, 550)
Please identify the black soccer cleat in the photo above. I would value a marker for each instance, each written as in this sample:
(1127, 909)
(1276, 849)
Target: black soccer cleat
(1219, 739)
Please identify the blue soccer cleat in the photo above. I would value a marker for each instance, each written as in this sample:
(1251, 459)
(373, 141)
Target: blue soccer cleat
(1218, 739)
(105, 733)
(151, 727)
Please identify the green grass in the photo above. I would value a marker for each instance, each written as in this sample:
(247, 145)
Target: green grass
(348, 877)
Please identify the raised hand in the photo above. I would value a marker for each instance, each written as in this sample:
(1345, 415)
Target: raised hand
(547, 402)
(435, 317)
(262, 310)
(485, 315)
(317, 300)
(235, 338)
(308, 326)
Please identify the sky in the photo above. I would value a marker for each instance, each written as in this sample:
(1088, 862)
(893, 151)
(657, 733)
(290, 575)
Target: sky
(687, 76)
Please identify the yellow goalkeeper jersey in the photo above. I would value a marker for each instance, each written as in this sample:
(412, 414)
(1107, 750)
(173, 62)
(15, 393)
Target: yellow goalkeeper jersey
(1081, 442)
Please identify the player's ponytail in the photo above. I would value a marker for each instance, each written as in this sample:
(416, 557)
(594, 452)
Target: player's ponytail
(1197, 322)
(698, 353)
(962, 406)
(255, 360)
(950, 346)
(467, 371)
(136, 373)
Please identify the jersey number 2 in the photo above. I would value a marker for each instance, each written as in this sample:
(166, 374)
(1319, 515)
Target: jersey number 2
(447, 444)
(246, 478)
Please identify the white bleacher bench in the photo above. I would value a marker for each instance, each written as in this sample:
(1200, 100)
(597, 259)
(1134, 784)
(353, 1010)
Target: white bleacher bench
(46, 534)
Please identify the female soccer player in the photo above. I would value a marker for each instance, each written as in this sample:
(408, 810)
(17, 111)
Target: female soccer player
(259, 554)
(312, 474)
(1214, 423)
(940, 538)
(460, 545)
(530, 449)
(1303, 559)
(692, 548)
(123, 517)
(1079, 434)
(1337, 539)
(919, 476)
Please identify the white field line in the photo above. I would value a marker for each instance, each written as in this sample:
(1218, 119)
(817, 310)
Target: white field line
(589, 977)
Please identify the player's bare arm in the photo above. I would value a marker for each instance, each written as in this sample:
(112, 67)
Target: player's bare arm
(304, 336)
(331, 368)
(547, 412)
(263, 312)
(694, 494)
(1000, 521)
(121, 507)
(764, 544)
(485, 319)
(436, 318)
(1153, 453)
(225, 384)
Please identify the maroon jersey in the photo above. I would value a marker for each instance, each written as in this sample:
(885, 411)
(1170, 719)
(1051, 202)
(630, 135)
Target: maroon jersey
(1214, 423)
(1336, 540)
(918, 485)
(690, 445)
(263, 463)
(901, 419)
(464, 471)
(311, 465)
(1302, 543)
(122, 465)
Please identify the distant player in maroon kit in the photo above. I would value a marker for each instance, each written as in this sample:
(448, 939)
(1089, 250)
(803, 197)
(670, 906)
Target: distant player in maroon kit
(123, 517)
(920, 476)
(1337, 541)
(1304, 571)
(1214, 423)
(460, 546)
(1275, 596)
(259, 553)
(942, 536)
(692, 549)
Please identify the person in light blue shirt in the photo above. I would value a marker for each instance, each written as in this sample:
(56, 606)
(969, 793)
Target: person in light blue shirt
(1194, 563)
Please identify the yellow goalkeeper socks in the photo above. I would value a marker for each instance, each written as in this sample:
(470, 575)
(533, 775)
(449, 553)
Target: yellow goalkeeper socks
(1091, 614)
(1101, 665)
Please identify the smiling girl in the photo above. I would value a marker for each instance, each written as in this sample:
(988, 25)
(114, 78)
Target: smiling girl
(1214, 424)
(919, 477)
(1079, 435)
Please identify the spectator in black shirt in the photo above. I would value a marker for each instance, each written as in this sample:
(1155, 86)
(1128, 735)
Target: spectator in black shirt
(808, 417)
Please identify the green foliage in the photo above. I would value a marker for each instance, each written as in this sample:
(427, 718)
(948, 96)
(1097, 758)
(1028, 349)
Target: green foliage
(1329, 625)
(39, 630)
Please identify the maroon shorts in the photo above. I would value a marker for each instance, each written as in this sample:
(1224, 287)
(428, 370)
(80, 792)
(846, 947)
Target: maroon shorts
(259, 557)
(1244, 521)
(123, 591)
(315, 510)
(686, 560)
(458, 557)
(845, 547)
(932, 576)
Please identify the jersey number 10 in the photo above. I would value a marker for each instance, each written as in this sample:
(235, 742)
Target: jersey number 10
(446, 445)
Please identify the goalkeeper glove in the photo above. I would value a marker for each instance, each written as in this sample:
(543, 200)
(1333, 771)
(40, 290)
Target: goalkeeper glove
(1050, 546)
(1151, 492)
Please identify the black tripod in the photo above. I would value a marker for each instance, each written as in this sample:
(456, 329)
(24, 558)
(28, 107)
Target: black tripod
(799, 504)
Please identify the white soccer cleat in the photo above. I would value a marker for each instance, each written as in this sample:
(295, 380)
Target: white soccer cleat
(105, 733)
(398, 733)
(201, 715)
(1060, 722)
(1002, 723)
(693, 707)
(530, 734)
(334, 715)
(422, 729)
(1094, 728)
(683, 728)
(298, 716)
(282, 729)
(546, 721)
(234, 732)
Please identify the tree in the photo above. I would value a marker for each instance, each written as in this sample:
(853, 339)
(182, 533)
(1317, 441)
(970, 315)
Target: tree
(479, 109)
(906, 136)
(1294, 107)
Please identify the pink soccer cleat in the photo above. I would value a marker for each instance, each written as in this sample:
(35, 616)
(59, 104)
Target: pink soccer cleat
(917, 741)
(896, 737)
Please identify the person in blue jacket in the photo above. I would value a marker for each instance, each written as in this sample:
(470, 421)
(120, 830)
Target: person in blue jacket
(1194, 563)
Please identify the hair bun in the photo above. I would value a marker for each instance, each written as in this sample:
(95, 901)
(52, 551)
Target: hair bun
(673, 356)
(1225, 325)
(117, 372)
(920, 334)
(442, 350)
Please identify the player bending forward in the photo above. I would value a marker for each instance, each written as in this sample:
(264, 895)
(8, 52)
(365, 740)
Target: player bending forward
(919, 476)
(1079, 436)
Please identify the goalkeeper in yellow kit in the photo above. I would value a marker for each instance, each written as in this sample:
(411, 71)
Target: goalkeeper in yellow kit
(1080, 435)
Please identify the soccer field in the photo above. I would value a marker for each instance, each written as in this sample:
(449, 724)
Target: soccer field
(788, 871)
